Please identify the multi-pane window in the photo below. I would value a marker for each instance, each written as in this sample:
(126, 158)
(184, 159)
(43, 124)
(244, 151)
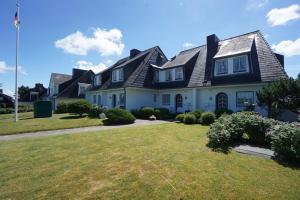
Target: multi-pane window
(179, 73)
(222, 66)
(166, 99)
(97, 80)
(168, 75)
(222, 101)
(94, 99)
(99, 99)
(114, 76)
(240, 64)
(244, 98)
(121, 74)
(118, 75)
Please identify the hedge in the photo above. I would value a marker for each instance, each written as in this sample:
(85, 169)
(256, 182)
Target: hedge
(119, 116)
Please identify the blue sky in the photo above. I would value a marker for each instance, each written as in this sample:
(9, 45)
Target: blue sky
(57, 35)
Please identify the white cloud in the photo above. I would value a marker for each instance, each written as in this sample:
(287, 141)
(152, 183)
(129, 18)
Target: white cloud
(106, 42)
(5, 68)
(288, 47)
(255, 4)
(280, 16)
(187, 45)
(82, 64)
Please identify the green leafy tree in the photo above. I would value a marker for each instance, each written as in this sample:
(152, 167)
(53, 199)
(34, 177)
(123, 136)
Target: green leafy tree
(281, 94)
(23, 92)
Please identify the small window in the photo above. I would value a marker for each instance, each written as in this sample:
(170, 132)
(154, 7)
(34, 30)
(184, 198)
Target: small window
(99, 99)
(168, 75)
(114, 76)
(94, 99)
(156, 76)
(122, 99)
(179, 74)
(239, 64)
(97, 80)
(121, 74)
(82, 90)
(166, 99)
(244, 98)
(222, 66)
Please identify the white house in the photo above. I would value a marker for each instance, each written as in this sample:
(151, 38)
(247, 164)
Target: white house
(222, 74)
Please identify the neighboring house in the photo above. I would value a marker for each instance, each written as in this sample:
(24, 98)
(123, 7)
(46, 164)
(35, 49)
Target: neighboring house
(5, 100)
(74, 88)
(39, 92)
(222, 74)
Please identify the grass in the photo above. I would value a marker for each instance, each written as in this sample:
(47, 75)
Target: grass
(29, 124)
(166, 161)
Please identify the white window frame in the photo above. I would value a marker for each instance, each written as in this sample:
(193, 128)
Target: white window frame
(156, 75)
(97, 80)
(246, 95)
(218, 67)
(121, 74)
(114, 76)
(168, 74)
(117, 75)
(239, 68)
(167, 101)
(178, 73)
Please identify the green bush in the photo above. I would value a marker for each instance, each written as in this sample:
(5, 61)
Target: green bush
(146, 112)
(96, 111)
(189, 118)
(62, 107)
(197, 113)
(220, 112)
(286, 142)
(136, 113)
(162, 113)
(6, 110)
(79, 107)
(119, 116)
(208, 118)
(25, 108)
(180, 117)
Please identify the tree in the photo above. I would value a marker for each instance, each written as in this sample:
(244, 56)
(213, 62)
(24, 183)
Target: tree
(281, 94)
(23, 92)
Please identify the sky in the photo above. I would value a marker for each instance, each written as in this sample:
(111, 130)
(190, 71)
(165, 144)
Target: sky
(58, 35)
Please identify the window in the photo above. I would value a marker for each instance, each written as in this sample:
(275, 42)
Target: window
(168, 75)
(154, 97)
(99, 99)
(222, 101)
(156, 76)
(221, 66)
(118, 75)
(94, 99)
(179, 73)
(122, 99)
(244, 98)
(166, 99)
(82, 90)
(239, 64)
(97, 80)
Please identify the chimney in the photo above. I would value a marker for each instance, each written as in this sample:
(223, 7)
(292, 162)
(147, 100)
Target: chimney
(212, 49)
(134, 52)
(280, 59)
(1, 91)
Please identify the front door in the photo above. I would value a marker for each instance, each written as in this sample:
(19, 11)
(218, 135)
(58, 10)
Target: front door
(178, 103)
(222, 101)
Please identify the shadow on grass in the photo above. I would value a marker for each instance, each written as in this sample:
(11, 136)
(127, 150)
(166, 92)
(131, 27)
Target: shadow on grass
(106, 122)
(72, 117)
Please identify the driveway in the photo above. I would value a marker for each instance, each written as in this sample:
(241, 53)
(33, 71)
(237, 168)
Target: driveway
(138, 122)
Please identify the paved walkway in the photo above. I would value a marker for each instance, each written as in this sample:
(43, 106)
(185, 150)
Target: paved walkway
(138, 122)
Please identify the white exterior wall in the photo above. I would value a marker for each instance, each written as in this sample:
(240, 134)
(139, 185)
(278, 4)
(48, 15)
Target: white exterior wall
(137, 98)
(206, 97)
(106, 97)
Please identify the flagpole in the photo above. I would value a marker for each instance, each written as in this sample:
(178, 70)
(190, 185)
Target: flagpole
(17, 63)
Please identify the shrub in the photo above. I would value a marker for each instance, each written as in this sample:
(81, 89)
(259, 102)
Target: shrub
(135, 113)
(189, 118)
(62, 107)
(146, 112)
(197, 113)
(208, 118)
(286, 142)
(79, 107)
(162, 113)
(6, 110)
(25, 108)
(220, 112)
(119, 116)
(96, 111)
(180, 117)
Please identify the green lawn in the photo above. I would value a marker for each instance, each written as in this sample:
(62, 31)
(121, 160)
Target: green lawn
(28, 124)
(166, 161)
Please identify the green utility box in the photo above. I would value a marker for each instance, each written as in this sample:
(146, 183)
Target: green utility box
(42, 109)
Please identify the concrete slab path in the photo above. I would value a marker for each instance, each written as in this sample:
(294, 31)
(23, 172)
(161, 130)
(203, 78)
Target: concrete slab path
(137, 122)
(257, 151)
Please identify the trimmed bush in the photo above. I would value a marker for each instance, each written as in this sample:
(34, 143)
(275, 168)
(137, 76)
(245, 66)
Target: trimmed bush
(189, 118)
(180, 117)
(146, 112)
(96, 111)
(62, 107)
(6, 110)
(119, 116)
(286, 142)
(207, 118)
(162, 113)
(79, 107)
(197, 113)
(220, 112)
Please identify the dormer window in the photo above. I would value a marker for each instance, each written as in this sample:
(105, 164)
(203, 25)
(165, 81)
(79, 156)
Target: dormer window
(97, 80)
(117, 75)
(168, 75)
(240, 64)
(156, 76)
(82, 88)
(222, 66)
(178, 74)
